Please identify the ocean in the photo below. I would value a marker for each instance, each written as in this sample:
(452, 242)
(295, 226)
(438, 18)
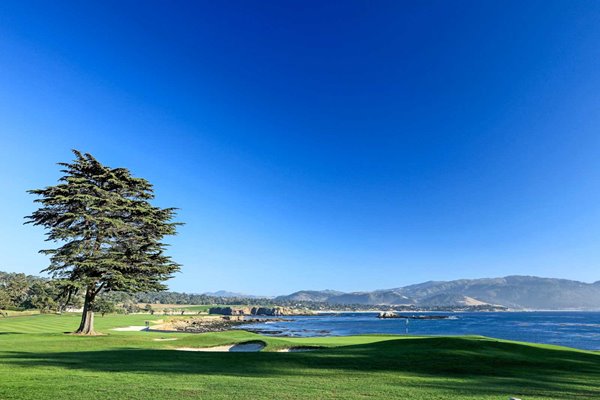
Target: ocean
(573, 329)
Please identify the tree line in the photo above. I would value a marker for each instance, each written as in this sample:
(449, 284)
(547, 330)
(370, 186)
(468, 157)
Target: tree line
(20, 292)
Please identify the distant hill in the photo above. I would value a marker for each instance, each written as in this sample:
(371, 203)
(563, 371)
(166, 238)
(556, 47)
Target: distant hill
(225, 293)
(519, 292)
(311, 295)
(376, 297)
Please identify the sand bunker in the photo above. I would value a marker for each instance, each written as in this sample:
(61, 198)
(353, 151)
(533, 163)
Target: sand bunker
(131, 329)
(239, 347)
(164, 339)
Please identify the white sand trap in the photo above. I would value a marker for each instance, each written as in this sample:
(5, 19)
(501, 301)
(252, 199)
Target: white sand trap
(164, 339)
(240, 347)
(130, 329)
(296, 349)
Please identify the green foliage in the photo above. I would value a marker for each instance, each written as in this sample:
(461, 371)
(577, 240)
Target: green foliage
(130, 307)
(109, 233)
(16, 287)
(104, 305)
(43, 296)
(5, 300)
(148, 308)
(22, 292)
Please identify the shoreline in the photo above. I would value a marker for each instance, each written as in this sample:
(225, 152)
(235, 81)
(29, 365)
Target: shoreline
(449, 311)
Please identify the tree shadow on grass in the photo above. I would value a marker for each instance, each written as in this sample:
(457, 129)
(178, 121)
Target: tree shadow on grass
(478, 366)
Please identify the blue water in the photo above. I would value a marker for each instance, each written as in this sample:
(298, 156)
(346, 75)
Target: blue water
(574, 329)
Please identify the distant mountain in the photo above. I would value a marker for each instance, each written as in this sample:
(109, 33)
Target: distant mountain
(225, 293)
(377, 297)
(451, 299)
(310, 295)
(519, 292)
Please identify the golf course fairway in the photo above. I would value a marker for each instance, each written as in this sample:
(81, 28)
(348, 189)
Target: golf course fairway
(38, 360)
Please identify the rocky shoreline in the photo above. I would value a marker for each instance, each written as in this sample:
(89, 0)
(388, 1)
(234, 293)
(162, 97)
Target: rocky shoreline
(259, 311)
(389, 315)
(256, 315)
(207, 324)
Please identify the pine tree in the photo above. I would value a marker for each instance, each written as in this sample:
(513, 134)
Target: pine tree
(110, 234)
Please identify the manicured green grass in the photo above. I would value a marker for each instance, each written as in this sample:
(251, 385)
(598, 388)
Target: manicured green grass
(50, 323)
(38, 361)
(11, 313)
(199, 308)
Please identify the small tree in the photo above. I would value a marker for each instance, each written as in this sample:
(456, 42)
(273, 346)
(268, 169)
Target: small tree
(5, 301)
(130, 306)
(104, 305)
(111, 235)
(43, 296)
(17, 288)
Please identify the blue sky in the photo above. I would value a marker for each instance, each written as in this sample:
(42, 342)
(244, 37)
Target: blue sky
(350, 145)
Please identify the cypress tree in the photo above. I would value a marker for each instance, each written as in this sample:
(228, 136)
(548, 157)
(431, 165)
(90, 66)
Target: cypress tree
(109, 233)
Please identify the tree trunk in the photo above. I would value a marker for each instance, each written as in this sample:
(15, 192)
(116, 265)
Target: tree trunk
(86, 327)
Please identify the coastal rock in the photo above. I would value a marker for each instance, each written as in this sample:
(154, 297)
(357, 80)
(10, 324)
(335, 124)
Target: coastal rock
(389, 314)
(201, 325)
(271, 311)
(229, 310)
(262, 311)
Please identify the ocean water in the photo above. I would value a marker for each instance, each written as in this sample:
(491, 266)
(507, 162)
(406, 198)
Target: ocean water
(574, 329)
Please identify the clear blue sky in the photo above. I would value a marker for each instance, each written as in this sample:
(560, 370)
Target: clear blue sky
(350, 145)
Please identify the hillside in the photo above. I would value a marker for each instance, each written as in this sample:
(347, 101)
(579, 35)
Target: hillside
(519, 292)
(227, 294)
(311, 295)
